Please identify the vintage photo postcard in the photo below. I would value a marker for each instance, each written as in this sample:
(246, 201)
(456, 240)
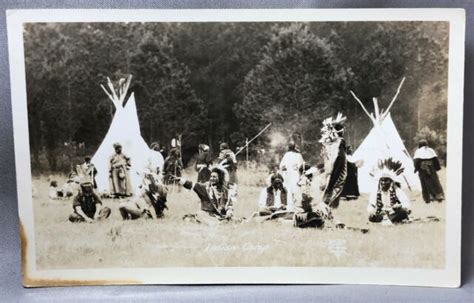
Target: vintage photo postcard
(238, 146)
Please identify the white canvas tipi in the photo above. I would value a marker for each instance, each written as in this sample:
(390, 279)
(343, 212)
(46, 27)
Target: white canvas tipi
(124, 129)
(382, 142)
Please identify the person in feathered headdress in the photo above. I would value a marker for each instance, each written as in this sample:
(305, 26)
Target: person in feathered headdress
(309, 209)
(334, 155)
(217, 198)
(388, 202)
(150, 202)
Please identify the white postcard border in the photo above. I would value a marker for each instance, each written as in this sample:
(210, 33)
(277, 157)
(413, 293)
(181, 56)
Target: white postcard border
(447, 277)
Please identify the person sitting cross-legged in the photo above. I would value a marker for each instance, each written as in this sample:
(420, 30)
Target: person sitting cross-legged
(388, 203)
(216, 197)
(310, 210)
(88, 206)
(275, 201)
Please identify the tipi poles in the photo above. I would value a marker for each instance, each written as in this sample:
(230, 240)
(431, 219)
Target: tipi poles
(108, 94)
(393, 99)
(122, 90)
(362, 105)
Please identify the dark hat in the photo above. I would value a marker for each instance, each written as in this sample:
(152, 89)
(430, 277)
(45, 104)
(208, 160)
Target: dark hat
(422, 142)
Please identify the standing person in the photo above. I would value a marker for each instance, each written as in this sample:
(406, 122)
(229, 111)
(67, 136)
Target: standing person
(173, 166)
(216, 197)
(163, 151)
(350, 191)
(427, 164)
(156, 160)
(388, 203)
(203, 163)
(87, 206)
(228, 160)
(119, 166)
(290, 167)
(334, 155)
(87, 170)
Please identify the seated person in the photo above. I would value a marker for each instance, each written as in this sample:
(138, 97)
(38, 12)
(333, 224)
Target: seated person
(87, 206)
(69, 189)
(151, 201)
(388, 202)
(275, 197)
(53, 190)
(216, 197)
(310, 210)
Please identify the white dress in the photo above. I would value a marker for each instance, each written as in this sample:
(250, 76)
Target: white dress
(290, 169)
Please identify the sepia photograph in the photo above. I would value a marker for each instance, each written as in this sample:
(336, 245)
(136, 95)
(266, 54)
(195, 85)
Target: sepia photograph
(298, 147)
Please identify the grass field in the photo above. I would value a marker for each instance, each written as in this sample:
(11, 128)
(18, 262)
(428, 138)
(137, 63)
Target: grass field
(173, 242)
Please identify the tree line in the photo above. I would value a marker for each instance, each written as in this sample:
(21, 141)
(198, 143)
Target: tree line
(214, 82)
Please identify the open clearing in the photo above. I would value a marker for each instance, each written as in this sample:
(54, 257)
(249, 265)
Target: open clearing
(173, 242)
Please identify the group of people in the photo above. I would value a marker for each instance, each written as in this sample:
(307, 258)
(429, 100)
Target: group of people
(301, 193)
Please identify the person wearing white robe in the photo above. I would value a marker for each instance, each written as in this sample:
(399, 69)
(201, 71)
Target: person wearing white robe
(290, 167)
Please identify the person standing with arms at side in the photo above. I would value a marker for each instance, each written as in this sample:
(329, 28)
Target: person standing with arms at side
(228, 160)
(119, 166)
(427, 165)
(334, 155)
(203, 163)
(290, 167)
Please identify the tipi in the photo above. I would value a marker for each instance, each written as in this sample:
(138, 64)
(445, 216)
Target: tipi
(383, 141)
(124, 129)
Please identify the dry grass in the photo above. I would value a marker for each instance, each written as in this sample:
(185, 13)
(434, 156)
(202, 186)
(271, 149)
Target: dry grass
(172, 242)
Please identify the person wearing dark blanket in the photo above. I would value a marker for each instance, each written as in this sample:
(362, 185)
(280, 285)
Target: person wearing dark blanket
(87, 206)
(388, 203)
(426, 165)
(350, 191)
(334, 155)
(173, 166)
(216, 198)
(203, 163)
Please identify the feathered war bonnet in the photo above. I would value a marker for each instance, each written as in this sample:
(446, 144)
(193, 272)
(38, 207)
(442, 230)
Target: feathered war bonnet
(389, 168)
(332, 128)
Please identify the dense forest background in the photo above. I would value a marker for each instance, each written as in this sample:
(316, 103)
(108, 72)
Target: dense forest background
(214, 82)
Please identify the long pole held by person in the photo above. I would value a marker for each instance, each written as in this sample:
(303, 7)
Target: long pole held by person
(247, 153)
(250, 141)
